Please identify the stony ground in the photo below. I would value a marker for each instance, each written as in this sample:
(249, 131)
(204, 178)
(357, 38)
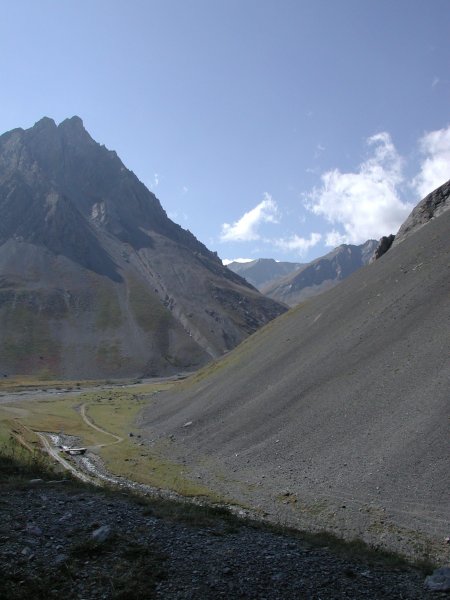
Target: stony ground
(60, 540)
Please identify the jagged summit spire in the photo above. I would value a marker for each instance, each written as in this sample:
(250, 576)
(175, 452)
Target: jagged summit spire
(74, 122)
(45, 122)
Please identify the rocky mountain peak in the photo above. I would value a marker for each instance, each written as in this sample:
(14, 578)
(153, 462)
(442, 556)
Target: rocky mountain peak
(73, 130)
(105, 282)
(46, 123)
(433, 205)
(74, 122)
(321, 274)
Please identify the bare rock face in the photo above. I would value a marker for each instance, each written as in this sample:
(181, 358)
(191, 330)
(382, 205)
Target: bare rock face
(439, 581)
(383, 246)
(95, 279)
(429, 208)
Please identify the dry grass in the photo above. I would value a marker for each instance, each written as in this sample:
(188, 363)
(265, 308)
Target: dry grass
(114, 411)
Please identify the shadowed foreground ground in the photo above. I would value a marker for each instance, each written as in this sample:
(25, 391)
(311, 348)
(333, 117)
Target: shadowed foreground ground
(61, 539)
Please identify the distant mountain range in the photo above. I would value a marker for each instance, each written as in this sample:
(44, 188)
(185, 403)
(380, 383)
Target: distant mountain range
(335, 416)
(263, 271)
(95, 279)
(291, 283)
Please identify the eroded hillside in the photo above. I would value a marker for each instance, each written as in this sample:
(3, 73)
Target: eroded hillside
(95, 280)
(335, 415)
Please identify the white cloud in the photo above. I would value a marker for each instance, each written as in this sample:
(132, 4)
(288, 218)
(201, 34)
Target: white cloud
(312, 171)
(300, 244)
(246, 228)
(365, 204)
(177, 216)
(227, 261)
(319, 149)
(435, 169)
(334, 238)
(154, 184)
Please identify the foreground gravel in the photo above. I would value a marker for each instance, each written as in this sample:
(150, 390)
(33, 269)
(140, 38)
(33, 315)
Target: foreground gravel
(57, 540)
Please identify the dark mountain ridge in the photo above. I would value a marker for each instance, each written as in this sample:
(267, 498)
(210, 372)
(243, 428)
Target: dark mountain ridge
(95, 279)
(66, 158)
(321, 274)
(263, 271)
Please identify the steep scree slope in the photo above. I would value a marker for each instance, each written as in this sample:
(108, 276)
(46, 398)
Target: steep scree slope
(336, 414)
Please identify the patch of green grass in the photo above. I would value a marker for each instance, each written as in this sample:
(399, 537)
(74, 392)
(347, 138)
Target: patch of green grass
(128, 570)
(356, 549)
(116, 412)
(22, 351)
(314, 509)
(27, 343)
(206, 516)
(20, 382)
(124, 570)
(109, 356)
(18, 464)
(109, 314)
(53, 415)
(150, 314)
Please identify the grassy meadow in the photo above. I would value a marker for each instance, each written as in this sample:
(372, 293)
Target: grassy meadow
(102, 419)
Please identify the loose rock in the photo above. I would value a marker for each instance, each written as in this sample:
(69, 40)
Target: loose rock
(439, 581)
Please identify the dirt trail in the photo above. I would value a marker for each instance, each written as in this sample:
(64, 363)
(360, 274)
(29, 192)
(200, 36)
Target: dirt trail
(53, 452)
(75, 468)
(90, 423)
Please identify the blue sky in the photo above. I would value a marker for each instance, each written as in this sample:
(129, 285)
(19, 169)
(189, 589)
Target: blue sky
(269, 128)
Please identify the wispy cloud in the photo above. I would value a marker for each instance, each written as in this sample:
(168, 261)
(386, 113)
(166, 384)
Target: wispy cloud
(246, 228)
(365, 204)
(334, 238)
(298, 243)
(228, 261)
(371, 201)
(155, 182)
(178, 216)
(320, 148)
(435, 168)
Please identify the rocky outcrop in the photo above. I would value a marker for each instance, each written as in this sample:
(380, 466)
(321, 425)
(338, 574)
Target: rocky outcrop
(383, 246)
(439, 581)
(429, 208)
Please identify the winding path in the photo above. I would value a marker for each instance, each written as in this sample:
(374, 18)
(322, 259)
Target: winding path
(65, 463)
(90, 423)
